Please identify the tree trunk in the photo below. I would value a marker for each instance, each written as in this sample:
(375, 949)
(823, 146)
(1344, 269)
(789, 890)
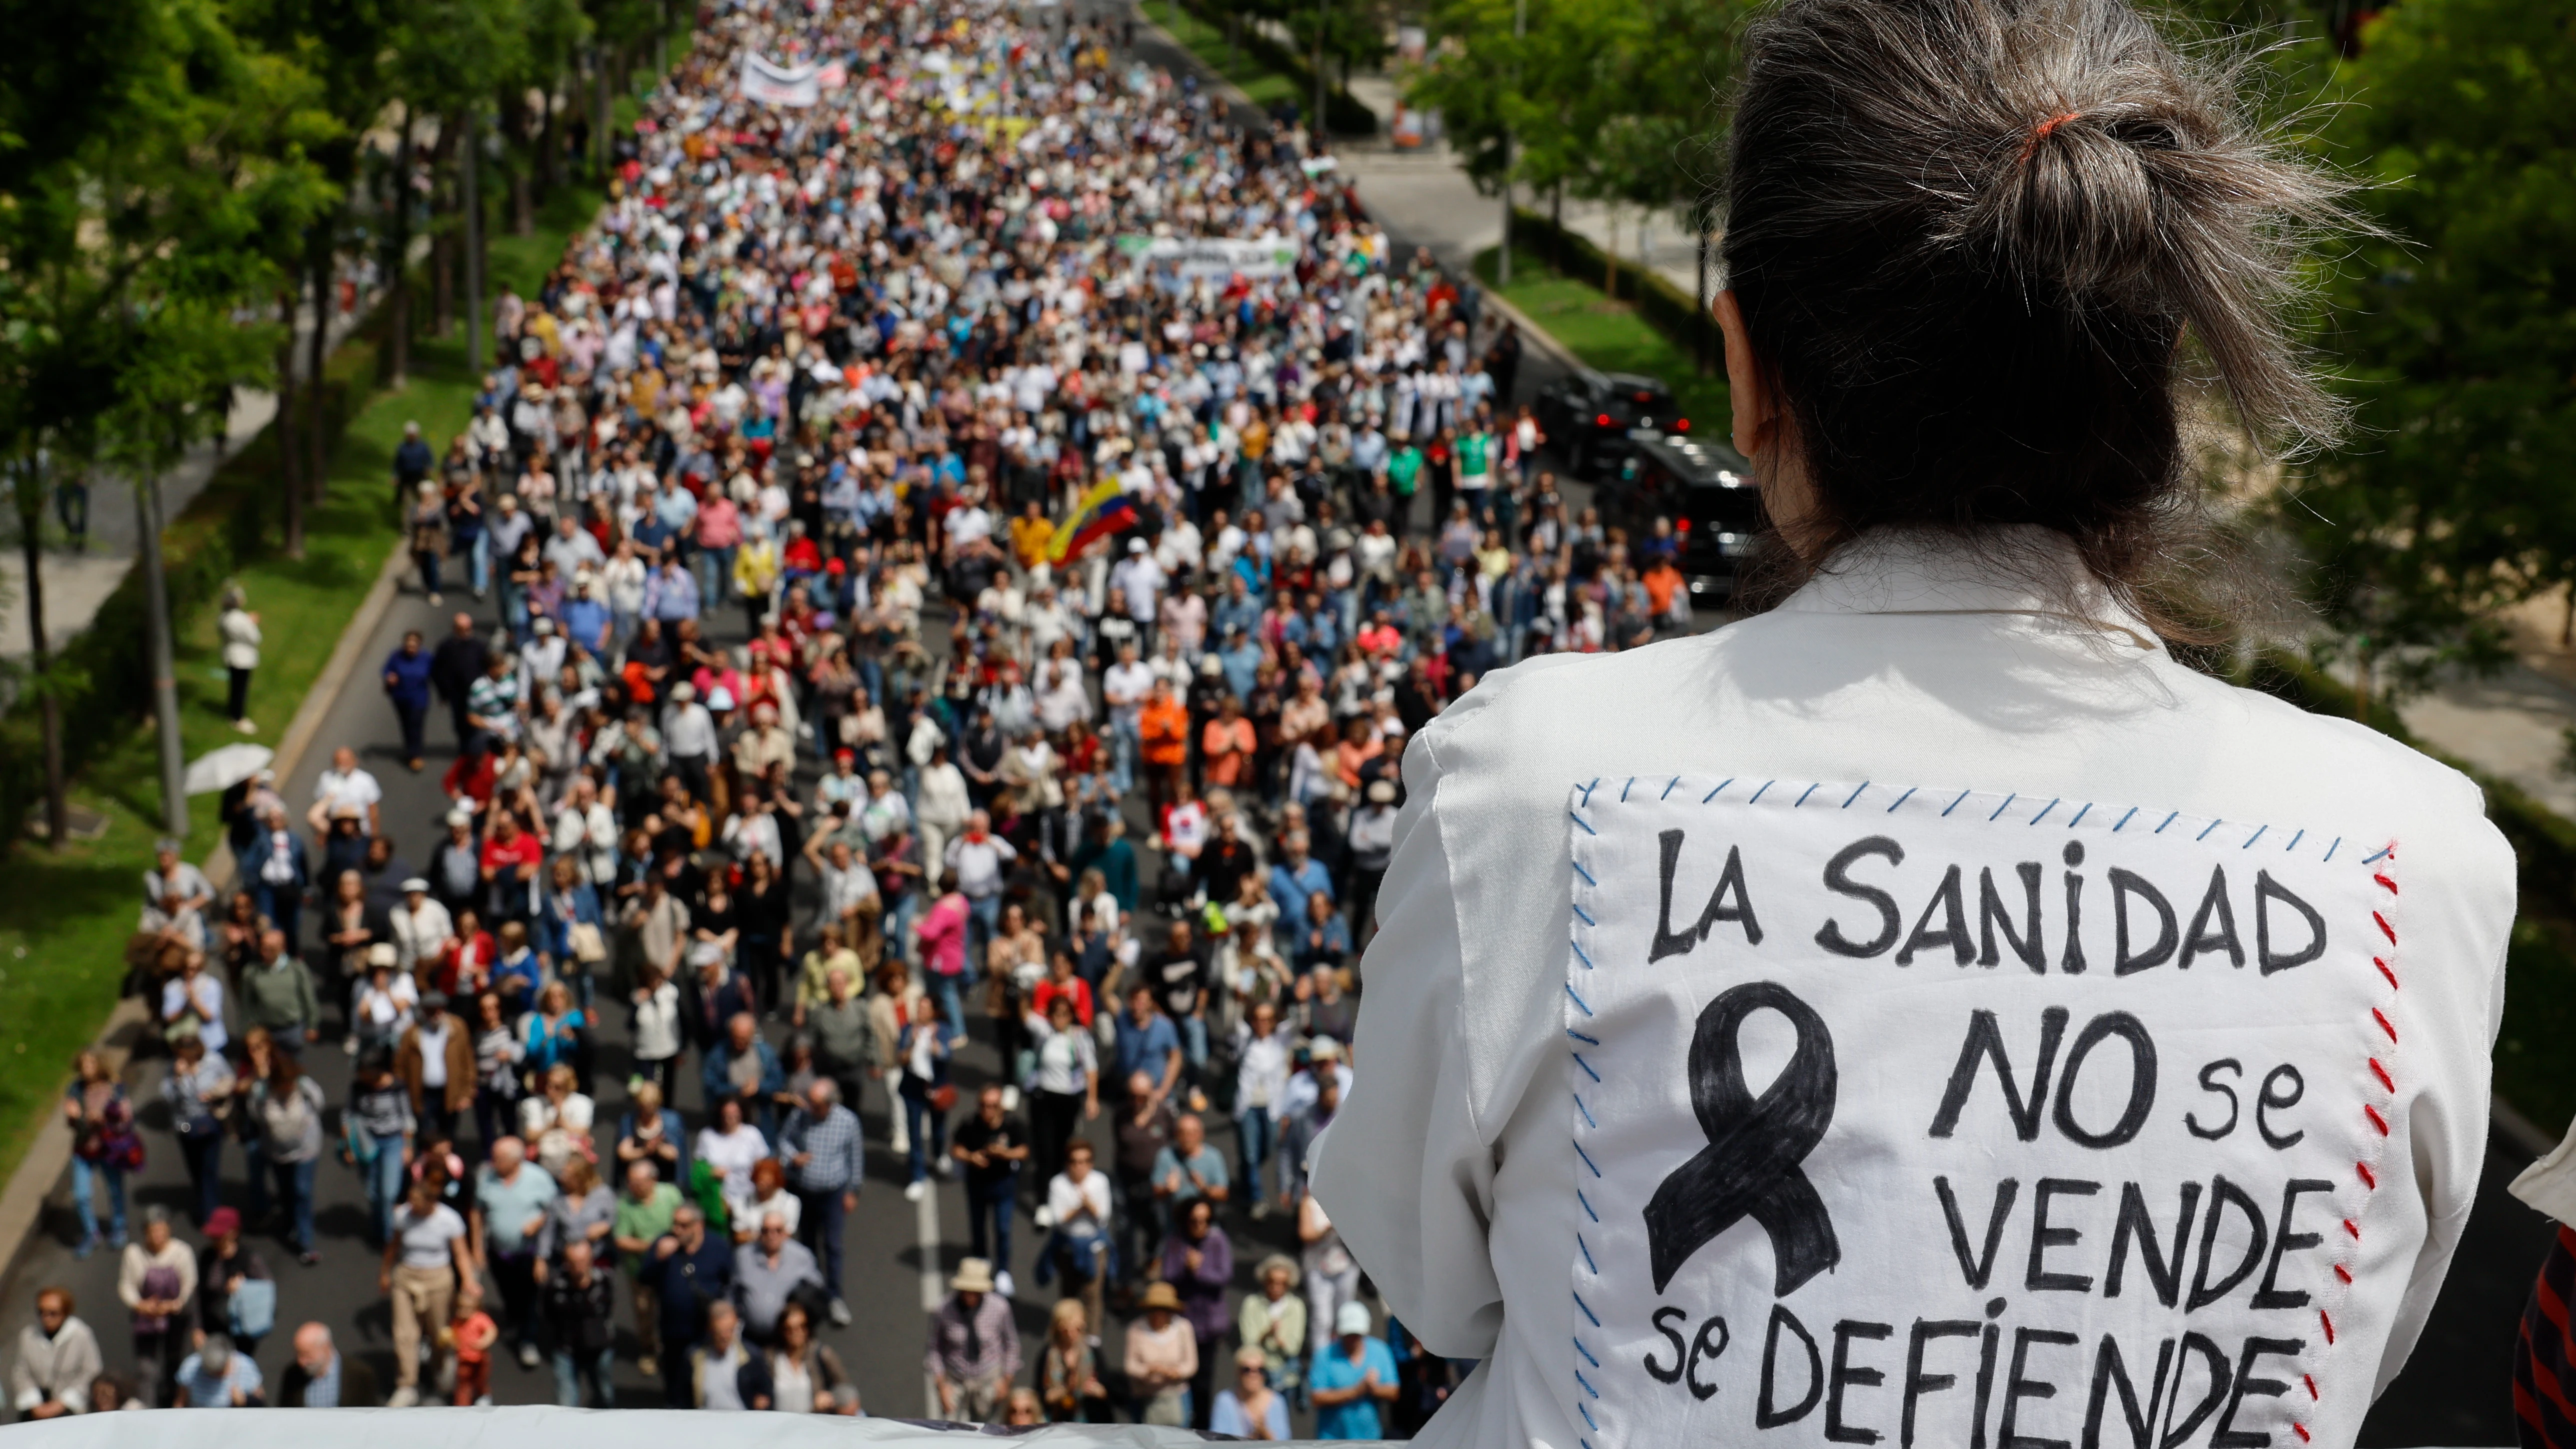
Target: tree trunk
(289, 473)
(550, 146)
(514, 132)
(601, 147)
(443, 245)
(397, 354)
(1610, 258)
(165, 678)
(1322, 131)
(31, 519)
(470, 160)
(317, 445)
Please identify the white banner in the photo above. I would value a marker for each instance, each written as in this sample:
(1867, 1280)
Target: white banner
(1970, 1118)
(1253, 258)
(779, 85)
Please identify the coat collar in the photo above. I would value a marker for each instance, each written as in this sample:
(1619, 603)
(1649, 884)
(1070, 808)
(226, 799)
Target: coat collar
(2024, 572)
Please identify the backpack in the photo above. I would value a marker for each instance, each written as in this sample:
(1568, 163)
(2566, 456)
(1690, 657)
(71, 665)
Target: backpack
(253, 1309)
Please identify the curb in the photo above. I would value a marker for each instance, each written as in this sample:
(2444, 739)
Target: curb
(22, 1202)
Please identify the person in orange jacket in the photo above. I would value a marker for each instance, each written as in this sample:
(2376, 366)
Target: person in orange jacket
(1163, 727)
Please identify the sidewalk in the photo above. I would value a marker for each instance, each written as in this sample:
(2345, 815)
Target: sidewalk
(77, 584)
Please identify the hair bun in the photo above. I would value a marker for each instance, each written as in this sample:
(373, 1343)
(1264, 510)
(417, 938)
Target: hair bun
(1969, 238)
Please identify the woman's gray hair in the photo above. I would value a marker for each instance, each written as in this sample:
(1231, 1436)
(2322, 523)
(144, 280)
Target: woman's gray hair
(1974, 242)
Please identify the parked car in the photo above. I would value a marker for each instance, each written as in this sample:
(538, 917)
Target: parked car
(1596, 417)
(1706, 489)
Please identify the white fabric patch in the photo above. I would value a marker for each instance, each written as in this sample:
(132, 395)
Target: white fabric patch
(1968, 1119)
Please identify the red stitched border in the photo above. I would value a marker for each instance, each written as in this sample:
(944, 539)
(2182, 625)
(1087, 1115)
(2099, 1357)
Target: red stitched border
(2384, 879)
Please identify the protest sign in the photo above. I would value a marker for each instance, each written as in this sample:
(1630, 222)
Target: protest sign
(1970, 1119)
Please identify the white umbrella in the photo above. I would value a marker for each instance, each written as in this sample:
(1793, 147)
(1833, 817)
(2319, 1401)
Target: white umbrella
(229, 766)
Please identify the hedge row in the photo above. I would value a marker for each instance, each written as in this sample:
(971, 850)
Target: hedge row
(231, 522)
(1665, 307)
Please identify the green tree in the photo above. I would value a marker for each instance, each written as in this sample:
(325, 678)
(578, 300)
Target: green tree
(2455, 340)
(1526, 88)
(451, 58)
(143, 150)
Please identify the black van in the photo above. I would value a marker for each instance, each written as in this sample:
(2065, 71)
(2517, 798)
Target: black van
(1706, 488)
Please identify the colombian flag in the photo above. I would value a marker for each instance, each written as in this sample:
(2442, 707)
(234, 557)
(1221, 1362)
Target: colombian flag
(1104, 510)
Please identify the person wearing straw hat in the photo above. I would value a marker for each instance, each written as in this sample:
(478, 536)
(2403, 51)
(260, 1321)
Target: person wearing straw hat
(974, 1351)
(1162, 1358)
(1272, 1321)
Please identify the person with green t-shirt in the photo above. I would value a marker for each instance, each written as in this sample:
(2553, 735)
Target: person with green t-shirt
(643, 1216)
(1404, 470)
(1475, 468)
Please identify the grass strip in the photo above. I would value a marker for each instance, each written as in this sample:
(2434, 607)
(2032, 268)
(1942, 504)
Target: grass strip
(1608, 335)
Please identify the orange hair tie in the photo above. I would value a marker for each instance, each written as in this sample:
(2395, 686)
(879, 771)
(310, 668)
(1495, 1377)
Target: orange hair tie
(2040, 132)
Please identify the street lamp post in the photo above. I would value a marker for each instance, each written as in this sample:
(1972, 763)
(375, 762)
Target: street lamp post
(165, 674)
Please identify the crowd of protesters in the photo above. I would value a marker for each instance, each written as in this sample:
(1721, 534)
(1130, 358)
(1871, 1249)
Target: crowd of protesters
(1105, 775)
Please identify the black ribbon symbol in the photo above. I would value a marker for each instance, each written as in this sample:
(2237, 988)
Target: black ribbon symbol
(1750, 1166)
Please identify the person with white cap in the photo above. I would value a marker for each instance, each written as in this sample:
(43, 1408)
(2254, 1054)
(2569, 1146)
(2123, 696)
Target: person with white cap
(456, 866)
(541, 659)
(421, 926)
(1352, 1377)
(1138, 584)
(689, 734)
(974, 1350)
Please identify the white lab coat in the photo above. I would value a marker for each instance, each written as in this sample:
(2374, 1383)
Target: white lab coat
(1452, 1171)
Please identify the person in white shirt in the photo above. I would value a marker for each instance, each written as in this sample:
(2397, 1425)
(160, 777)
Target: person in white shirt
(944, 805)
(689, 733)
(1123, 687)
(885, 811)
(344, 784)
(847, 884)
(1263, 1045)
(541, 658)
(421, 926)
(586, 830)
(57, 1359)
(1769, 1029)
(1078, 1208)
(1062, 698)
(1138, 583)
